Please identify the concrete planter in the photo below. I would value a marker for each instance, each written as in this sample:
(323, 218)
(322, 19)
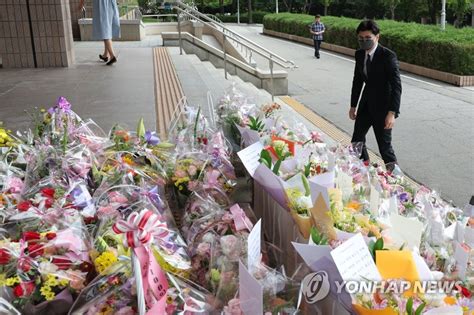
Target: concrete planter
(131, 30)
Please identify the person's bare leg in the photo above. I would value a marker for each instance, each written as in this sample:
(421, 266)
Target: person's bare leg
(109, 48)
(106, 52)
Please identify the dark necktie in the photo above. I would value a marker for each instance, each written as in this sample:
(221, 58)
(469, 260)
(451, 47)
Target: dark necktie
(367, 65)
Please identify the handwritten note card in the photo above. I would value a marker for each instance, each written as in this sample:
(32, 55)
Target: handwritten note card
(250, 157)
(353, 260)
(253, 245)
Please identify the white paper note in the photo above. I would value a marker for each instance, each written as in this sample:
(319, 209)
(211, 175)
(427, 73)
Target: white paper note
(250, 292)
(250, 157)
(437, 232)
(312, 253)
(469, 236)
(344, 183)
(424, 271)
(374, 200)
(253, 246)
(406, 231)
(354, 262)
(459, 232)
(461, 254)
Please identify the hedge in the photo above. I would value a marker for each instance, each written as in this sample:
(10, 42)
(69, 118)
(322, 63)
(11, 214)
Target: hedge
(257, 17)
(451, 50)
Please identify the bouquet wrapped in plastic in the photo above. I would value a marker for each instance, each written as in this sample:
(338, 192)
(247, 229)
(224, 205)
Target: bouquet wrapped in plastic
(44, 269)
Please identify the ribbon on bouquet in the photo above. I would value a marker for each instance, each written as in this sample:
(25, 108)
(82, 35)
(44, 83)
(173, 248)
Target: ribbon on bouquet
(241, 220)
(140, 229)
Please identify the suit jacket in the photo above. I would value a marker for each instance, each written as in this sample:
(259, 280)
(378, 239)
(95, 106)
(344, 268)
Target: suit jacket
(383, 87)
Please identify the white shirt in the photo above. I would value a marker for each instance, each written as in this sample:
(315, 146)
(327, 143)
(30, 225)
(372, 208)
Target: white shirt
(370, 55)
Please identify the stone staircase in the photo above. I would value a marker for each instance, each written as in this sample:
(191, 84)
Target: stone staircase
(198, 77)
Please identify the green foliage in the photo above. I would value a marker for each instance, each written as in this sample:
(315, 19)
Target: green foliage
(318, 238)
(411, 311)
(256, 124)
(266, 159)
(451, 50)
(257, 17)
(375, 246)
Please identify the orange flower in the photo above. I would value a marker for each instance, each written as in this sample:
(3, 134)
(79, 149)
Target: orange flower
(354, 205)
(450, 300)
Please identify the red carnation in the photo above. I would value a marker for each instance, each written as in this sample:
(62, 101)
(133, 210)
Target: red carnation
(90, 220)
(31, 235)
(24, 265)
(35, 250)
(50, 235)
(466, 293)
(49, 203)
(24, 289)
(48, 192)
(62, 263)
(24, 206)
(4, 256)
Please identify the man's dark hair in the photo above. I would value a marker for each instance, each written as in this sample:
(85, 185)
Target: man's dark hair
(368, 25)
(317, 16)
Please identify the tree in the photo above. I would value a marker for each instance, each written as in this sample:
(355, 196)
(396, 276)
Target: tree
(326, 4)
(250, 11)
(434, 6)
(460, 8)
(392, 5)
(221, 5)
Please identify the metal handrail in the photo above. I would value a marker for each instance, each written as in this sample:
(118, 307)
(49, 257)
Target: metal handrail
(190, 17)
(270, 59)
(236, 37)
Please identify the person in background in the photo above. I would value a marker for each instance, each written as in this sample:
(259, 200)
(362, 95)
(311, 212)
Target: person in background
(378, 68)
(317, 29)
(105, 26)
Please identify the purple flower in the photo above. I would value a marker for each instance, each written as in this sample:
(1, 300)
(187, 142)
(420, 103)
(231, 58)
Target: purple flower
(63, 104)
(151, 138)
(404, 197)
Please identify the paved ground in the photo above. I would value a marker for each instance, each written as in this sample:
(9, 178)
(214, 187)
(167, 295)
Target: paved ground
(434, 136)
(121, 93)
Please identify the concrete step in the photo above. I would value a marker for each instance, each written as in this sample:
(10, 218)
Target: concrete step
(213, 80)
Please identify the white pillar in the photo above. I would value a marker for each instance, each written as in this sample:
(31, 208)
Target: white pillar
(276, 7)
(238, 12)
(443, 14)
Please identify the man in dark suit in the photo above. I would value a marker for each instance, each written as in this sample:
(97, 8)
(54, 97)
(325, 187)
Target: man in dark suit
(378, 68)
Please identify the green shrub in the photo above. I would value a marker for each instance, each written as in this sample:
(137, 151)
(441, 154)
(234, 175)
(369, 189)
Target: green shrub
(257, 17)
(451, 50)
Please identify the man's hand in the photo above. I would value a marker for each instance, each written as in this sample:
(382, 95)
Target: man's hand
(352, 113)
(389, 120)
